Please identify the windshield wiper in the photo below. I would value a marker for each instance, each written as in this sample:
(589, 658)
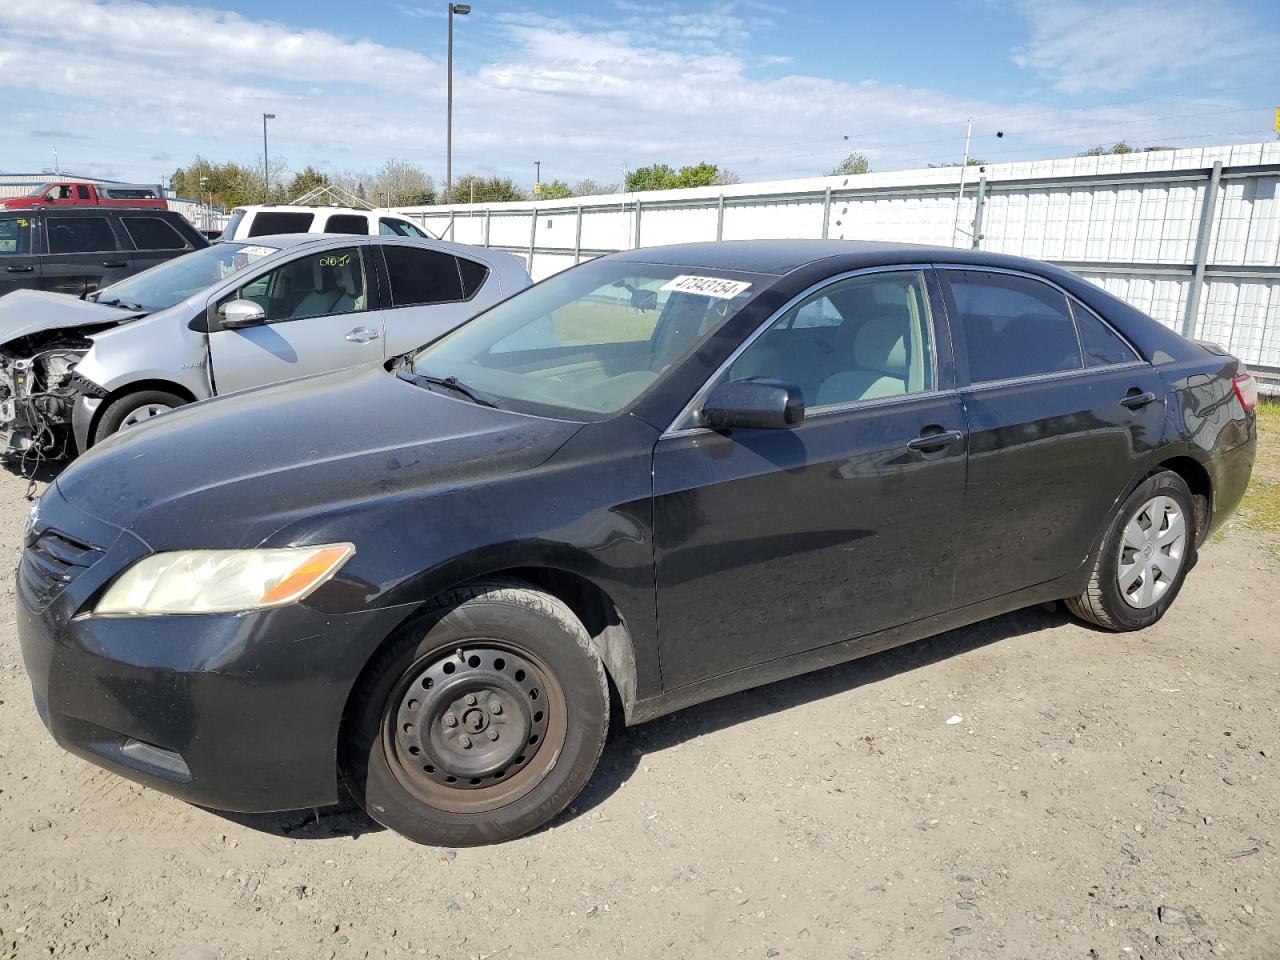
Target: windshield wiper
(407, 372)
(117, 302)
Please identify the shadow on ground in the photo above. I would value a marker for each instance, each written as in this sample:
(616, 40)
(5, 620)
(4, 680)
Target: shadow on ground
(626, 747)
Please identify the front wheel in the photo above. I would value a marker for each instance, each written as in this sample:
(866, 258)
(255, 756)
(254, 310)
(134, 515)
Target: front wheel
(133, 409)
(479, 723)
(1146, 552)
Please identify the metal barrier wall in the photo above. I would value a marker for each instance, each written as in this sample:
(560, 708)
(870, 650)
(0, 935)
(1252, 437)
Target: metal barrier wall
(1192, 237)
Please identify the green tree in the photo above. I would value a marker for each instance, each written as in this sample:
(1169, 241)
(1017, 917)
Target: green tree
(306, 181)
(589, 188)
(854, 163)
(1101, 151)
(661, 176)
(485, 189)
(555, 190)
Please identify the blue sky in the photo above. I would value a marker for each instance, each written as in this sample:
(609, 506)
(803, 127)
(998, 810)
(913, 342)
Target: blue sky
(134, 88)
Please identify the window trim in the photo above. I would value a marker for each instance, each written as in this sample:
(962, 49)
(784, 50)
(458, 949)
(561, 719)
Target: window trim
(1034, 377)
(673, 430)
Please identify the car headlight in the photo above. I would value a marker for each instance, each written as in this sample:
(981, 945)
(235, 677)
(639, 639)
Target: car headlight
(221, 581)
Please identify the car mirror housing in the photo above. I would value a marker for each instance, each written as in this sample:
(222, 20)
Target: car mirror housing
(754, 403)
(242, 313)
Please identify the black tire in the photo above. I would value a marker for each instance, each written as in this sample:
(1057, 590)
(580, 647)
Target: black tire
(500, 641)
(118, 411)
(1103, 603)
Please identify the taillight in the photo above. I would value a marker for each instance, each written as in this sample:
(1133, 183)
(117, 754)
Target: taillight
(1246, 389)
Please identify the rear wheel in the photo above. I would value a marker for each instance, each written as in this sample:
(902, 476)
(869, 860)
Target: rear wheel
(133, 409)
(480, 722)
(1146, 553)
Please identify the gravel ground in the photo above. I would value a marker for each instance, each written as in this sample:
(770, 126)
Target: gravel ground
(1023, 788)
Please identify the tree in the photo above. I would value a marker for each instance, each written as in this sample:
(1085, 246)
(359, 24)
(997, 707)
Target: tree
(854, 163)
(661, 176)
(972, 163)
(229, 184)
(589, 188)
(1101, 151)
(555, 190)
(485, 189)
(402, 184)
(306, 181)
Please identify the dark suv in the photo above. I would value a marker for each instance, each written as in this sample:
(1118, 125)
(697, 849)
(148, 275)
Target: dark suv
(80, 249)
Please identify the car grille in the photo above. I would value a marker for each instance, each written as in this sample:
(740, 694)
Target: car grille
(52, 562)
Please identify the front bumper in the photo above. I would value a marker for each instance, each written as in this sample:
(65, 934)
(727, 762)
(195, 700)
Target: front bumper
(234, 712)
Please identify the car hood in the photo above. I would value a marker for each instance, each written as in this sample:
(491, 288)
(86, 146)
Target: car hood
(24, 312)
(231, 471)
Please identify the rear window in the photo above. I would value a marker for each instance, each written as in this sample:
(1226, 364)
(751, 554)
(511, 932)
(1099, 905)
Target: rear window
(128, 193)
(82, 192)
(421, 276)
(79, 235)
(347, 223)
(153, 233)
(268, 222)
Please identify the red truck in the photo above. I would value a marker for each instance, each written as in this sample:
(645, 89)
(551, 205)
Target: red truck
(79, 194)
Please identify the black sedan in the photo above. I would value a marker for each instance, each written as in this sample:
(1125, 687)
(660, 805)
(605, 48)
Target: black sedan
(657, 478)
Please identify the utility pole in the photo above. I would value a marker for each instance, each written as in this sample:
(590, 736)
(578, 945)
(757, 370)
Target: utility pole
(964, 169)
(537, 179)
(461, 9)
(266, 162)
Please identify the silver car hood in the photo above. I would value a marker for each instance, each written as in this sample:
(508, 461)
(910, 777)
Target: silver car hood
(24, 312)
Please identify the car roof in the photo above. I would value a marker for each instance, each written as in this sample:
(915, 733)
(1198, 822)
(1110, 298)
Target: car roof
(312, 207)
(779, 257)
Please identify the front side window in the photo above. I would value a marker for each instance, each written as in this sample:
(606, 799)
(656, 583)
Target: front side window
(268, 222)
(153, 233)
(390, 227)
(79, 235)
(419, 277)
(1102, 345)
(1013, 326)
(318, 285)
(862, 338)
(15, 236)
(588, 342)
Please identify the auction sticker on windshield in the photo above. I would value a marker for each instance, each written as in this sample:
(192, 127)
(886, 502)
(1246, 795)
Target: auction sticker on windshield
(707, 286)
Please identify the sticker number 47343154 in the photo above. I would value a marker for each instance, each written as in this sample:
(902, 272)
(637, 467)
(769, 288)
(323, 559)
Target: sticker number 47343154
(717, 287)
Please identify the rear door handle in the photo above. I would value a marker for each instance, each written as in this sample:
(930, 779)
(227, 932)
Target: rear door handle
(1135, 400)
(362, 335)
(935, 441)
(19, 269)
(115, 263)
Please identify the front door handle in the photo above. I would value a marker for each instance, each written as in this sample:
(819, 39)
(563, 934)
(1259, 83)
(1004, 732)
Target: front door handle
(27, 269)
(115, 263)
(934, 441)
(362, 335)
(1134, 400)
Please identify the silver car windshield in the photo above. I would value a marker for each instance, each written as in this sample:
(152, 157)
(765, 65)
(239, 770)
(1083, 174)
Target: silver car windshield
(173, 281)
(586, 343)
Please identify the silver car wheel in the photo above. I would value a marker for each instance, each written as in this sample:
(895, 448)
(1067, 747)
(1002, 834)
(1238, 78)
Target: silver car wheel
(1152, 552)
(143, 413)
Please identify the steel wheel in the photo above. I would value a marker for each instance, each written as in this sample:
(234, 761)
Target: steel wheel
(1151, 552)
(143, 414)
(474, 728)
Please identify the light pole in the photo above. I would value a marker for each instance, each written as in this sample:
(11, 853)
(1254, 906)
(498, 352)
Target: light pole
(461, 9)
(266, 163)
(208, 207)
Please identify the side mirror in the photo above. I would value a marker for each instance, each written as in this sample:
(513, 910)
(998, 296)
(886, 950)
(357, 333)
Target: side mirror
(761, 404)
(242, 313)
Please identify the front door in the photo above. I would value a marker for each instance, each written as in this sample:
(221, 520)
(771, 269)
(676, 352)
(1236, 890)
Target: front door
(770, 543)
(84, 253)
(19, 264)
(1060, 412)
(317, 319)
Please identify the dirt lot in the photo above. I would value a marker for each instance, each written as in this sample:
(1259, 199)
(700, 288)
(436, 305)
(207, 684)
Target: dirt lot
(1100, 796)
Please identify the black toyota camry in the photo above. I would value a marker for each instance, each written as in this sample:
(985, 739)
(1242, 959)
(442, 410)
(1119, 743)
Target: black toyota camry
(656, 478)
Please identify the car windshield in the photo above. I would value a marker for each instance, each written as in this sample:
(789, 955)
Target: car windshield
(173, 281)
(38, 190)
(586, 343)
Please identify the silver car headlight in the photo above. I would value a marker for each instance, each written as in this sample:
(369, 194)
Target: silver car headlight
(221, 581)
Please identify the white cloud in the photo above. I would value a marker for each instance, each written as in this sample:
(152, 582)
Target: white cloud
(1087, 46)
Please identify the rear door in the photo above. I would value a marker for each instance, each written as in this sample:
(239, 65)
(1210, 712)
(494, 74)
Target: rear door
(155, 240)
(84, 252)
(428, 294)
(19, 262)
(1060, 415)
(319, 318)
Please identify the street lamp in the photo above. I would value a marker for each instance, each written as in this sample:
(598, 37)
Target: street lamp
(537, 179)
(461, 9)
(266, 164)
(208, 207)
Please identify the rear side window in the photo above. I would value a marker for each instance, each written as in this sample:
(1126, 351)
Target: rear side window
(398, 228)
(1013, 326)
(347, 223)
(268, 222)
(421, 276)
(473, 277)
(79, 234)
(1102, 345)
(15, 236)
(82, 192)
(152, 233)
